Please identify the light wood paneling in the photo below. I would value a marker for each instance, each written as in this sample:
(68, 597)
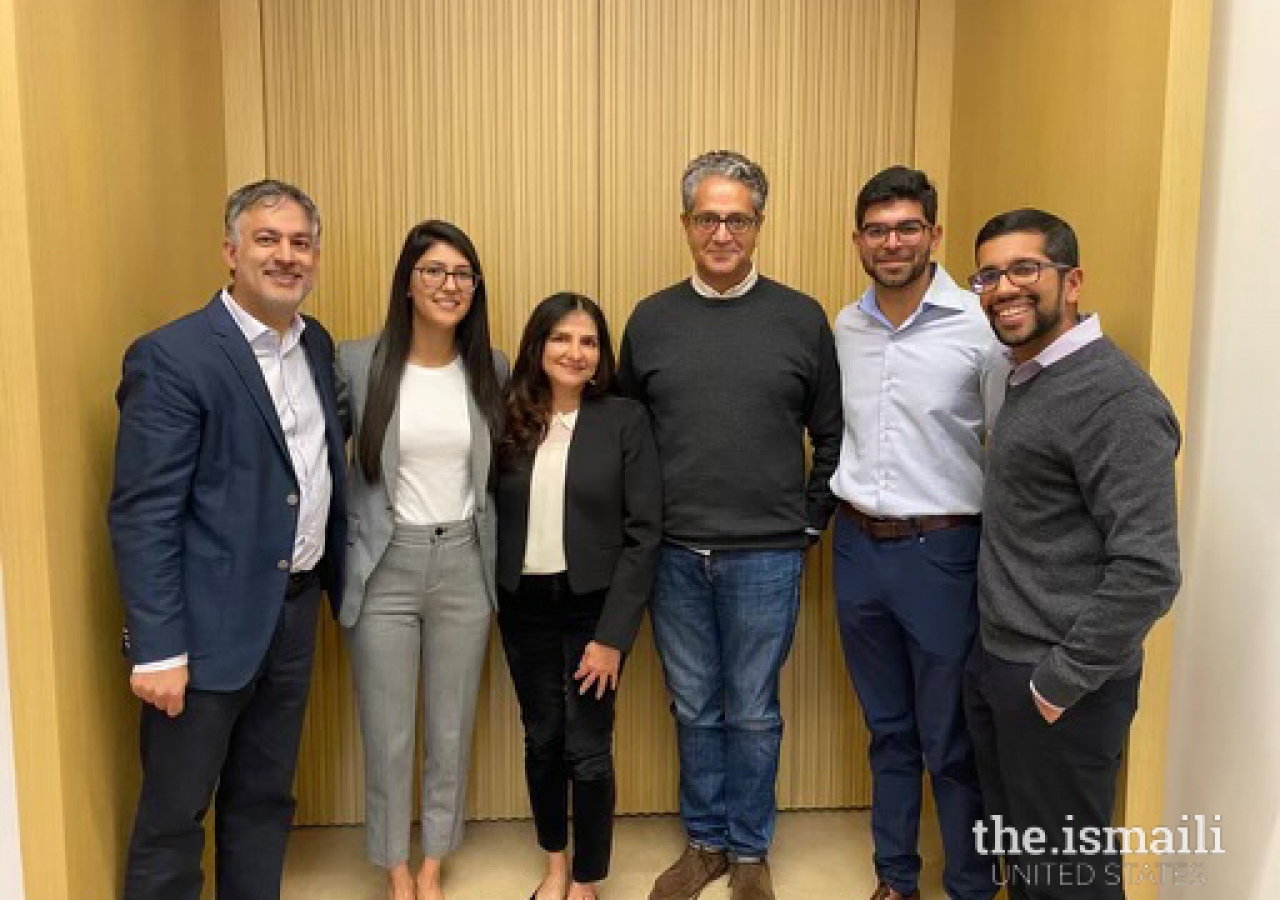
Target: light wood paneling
(935, 62)
(555, 133)
(113, 186)
(1078, 133)
(37, 739)
(243, 95)
(1169, 361)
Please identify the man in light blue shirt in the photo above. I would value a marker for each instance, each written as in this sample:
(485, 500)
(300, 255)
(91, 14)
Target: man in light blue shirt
(922, 378)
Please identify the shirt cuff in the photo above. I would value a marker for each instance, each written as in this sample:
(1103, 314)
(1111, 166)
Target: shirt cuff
(1054, 707)
(161, 665)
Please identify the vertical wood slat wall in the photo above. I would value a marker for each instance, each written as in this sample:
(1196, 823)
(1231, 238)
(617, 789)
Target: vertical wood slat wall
(554, 132)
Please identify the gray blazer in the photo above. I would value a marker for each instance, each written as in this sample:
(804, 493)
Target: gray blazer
(370, 507)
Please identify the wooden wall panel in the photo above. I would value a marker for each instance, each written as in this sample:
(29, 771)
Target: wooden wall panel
(1080, 137)
(555, 133)
(115, 180)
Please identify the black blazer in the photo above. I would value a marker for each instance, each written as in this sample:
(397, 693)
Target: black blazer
(612, 514)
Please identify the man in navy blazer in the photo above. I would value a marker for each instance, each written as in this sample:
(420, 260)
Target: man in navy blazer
(227, 520)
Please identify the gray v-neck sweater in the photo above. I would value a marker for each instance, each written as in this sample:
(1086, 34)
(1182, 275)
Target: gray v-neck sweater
(1080, 543)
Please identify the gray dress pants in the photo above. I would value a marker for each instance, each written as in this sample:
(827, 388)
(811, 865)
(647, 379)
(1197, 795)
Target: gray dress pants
(425, 607)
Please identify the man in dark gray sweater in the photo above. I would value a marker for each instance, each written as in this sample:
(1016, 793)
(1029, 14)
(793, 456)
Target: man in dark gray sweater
(1079, 557)
(734, 369)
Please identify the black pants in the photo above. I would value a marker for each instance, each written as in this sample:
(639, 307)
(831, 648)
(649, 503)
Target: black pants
(567, 736)
(243, 745)
(1060, 778)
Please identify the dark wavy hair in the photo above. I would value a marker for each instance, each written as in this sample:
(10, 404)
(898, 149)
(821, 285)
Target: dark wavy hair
(392, 351)
(898, 183)
(528, 405)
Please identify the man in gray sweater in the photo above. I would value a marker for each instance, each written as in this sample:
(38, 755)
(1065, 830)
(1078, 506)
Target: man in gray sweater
(1079, 557)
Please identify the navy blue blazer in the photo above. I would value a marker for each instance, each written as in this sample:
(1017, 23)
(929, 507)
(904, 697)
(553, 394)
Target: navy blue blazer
(204, 508)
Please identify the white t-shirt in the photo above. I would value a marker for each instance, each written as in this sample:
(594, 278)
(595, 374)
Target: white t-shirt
(434, 480)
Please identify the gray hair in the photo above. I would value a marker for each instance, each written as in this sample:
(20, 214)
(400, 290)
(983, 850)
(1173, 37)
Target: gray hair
(268, 192)
(726, 164)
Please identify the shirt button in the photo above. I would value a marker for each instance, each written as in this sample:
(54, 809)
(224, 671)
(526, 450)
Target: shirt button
(283, 565)
(292, 499)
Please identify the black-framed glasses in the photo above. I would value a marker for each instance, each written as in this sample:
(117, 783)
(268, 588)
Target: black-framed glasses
(737, 223)
(909, 231)
(1021, 273)
(433, 276)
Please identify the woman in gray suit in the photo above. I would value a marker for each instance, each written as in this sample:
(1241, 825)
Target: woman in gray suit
(423, 404)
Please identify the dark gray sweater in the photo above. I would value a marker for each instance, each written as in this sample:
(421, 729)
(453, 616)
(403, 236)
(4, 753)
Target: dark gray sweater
(1080, 542)
(732, 386)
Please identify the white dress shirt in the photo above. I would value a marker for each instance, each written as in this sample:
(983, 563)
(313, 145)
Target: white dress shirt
(918, 401)
(287, 374)
(702, 289)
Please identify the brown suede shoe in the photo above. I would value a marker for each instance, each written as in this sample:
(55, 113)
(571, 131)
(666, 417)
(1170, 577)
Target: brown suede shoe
(884, 892)
(695, 869)
(750, 881)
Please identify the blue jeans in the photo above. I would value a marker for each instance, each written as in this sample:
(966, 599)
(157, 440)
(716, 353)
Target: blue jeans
(723, 624)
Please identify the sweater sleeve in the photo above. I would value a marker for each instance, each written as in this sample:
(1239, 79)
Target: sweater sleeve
(824, 420)
(628, 383)
(1124, 465)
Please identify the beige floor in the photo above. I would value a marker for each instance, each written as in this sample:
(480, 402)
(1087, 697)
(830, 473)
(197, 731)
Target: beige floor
(816, 855)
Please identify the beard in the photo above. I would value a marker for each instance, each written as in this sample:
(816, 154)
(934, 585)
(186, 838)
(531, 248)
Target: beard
(1044, 320)
(915, 269)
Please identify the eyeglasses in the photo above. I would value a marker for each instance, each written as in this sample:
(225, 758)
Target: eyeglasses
(737, 223)
(433, 277)
(908, 232)
(1023, 273)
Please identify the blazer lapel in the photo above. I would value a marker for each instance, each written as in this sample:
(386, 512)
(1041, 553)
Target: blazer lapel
(241, 355)
(580, 440)
(328, 398)
(391, 455)
(480, 450)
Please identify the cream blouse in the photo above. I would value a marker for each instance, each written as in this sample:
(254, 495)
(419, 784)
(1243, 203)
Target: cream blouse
(544, 544)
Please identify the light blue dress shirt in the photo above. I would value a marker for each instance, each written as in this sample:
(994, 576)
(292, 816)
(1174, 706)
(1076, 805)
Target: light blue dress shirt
(918, 401)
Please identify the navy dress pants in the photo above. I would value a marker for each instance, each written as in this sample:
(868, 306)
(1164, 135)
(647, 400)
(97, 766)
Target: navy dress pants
(238, 749)
(908, 618)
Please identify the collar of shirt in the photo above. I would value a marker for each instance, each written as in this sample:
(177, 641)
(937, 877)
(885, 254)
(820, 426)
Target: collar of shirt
(703, 289)
(1083, 333)
(942, 293)
(253, 330)
(566, 420)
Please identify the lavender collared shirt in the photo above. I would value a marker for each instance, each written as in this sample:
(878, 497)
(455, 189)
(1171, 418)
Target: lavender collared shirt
(1083, 333)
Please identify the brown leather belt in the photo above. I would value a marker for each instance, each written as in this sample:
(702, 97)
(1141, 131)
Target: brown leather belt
(883, 529)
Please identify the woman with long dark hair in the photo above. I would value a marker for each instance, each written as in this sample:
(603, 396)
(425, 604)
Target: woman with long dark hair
(423, 404)
(579, 521)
